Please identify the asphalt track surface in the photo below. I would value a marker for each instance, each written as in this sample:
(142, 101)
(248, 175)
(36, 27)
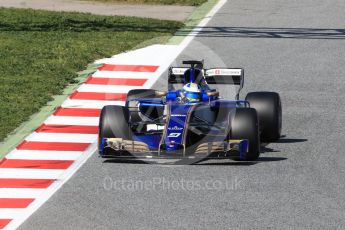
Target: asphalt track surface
(296, 48)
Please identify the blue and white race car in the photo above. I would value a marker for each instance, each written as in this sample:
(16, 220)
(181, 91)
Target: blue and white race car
(191, 121)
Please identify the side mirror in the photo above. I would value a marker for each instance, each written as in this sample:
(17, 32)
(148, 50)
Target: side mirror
(213, 93)
(161, 93)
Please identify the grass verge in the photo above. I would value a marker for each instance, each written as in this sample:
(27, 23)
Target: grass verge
(161, 2)
(41, 51)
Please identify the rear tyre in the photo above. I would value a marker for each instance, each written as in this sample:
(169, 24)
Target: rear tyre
(244, 125)
(269, 109)
(113, 123)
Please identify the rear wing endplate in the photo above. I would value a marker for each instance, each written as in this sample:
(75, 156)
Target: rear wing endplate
(214, 76)
(231, 76)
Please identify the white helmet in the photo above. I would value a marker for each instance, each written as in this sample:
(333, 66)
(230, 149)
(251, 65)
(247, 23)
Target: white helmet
(191, 92)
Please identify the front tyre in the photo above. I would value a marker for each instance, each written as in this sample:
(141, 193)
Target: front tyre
(244, 125)
(113, 123)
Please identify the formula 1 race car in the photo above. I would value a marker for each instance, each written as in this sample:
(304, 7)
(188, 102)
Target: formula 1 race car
(192, 121)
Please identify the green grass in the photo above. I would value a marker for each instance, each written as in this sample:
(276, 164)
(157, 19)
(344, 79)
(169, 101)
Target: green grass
(161, 2)
(40, 53)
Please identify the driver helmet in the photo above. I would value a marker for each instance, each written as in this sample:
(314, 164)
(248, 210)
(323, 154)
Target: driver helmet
(191, 92)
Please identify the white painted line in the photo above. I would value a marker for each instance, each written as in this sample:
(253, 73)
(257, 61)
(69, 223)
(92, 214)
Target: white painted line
(62, 137)
(201, 24)
(89, 104)
(43, 155)
(21, 173)
(21, 192)
(106, 88)
(11, 213)
(65, 120)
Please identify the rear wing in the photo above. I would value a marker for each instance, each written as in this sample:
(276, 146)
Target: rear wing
(230, 76)
(233, 76)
